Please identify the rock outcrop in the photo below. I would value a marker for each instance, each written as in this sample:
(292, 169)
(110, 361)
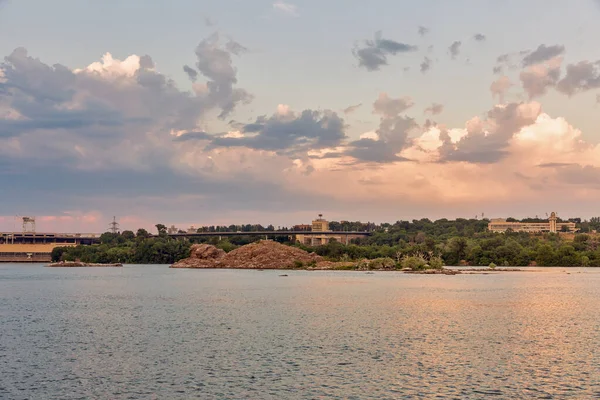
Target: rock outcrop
(201, 256)
(268, 255)
(260, 255)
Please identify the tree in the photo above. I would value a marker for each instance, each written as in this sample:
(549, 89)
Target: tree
(142, 233)
(128, 235)
(456, 250)
(162, 229)
(109, 237)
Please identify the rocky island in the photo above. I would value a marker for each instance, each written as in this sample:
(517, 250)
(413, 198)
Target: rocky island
(79, 264)
(260, 255)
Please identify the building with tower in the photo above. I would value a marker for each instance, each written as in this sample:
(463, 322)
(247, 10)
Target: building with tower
(500, 225)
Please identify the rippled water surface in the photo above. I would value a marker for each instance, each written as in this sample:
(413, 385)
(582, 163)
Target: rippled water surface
(148, 332)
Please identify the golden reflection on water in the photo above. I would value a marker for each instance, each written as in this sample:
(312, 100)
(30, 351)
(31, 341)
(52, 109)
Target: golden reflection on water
(152, 333)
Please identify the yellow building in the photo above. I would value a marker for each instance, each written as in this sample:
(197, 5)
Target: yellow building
(321, 234)
(320, 225)
(29, 252)
(500, 225)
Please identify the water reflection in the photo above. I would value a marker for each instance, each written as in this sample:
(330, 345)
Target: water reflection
(149, 332)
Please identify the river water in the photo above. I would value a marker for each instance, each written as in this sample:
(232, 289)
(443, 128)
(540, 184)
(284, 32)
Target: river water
(149, 332)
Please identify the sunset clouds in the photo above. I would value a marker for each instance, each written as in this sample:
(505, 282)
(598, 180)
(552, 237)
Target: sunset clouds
(117, 135)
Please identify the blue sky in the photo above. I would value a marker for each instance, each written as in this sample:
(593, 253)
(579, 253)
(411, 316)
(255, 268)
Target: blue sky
(303, 55)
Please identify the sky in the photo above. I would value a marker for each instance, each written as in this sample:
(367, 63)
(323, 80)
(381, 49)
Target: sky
(199, 113)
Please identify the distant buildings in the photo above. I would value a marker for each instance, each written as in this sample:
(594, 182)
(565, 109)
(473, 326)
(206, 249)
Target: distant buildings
(321, 234)
(500, 225)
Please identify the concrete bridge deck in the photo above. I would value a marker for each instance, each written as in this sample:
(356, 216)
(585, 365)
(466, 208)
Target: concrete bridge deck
(270, 233)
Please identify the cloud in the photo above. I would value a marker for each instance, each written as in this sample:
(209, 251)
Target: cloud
(554, 165)
(390, 139)
(375, 53)
(454, 49)
(499, 87)
(537, 79)
(435, 109)
(389, 108)
(286, 8)
(479, 37)
(352, 109)
(286, 132)
(580, 77)
(191, 73)
(426, 65)
(542, 54)
(215, 63)
(423, 30)
(118, 134)
(486, 141)
(111, 115)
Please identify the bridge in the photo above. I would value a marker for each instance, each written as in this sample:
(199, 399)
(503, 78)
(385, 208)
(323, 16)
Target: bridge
(312, 238)
(91, 238)
(45, 238)
(37, 247)
(268, 233)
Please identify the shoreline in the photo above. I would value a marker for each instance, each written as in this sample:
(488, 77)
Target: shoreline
(77, 264)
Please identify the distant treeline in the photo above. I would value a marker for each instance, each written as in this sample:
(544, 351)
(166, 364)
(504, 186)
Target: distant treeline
(334, 226)
(461, 241)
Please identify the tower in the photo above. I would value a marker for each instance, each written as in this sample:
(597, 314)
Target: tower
(114, 226)
(29, 224)
(552, 220)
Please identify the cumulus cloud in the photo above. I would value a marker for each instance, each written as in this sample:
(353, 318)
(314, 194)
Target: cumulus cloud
(485, 141)
(435, 109)
(580, 77)
(111, 118)
(389, 107)
(374, 54)
(499, 87)
(390, 139)
(286, 8)
(542, 54)
(215, 62)
(454, 49)
(479, 37)
(286, 132)
(124, 124)
(537, 79)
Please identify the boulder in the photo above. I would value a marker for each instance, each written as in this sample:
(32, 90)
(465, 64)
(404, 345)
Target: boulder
(201, 256)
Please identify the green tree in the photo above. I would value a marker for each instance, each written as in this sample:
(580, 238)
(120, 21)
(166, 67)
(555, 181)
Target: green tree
(162, 229)
(128, 235)
(142, 233)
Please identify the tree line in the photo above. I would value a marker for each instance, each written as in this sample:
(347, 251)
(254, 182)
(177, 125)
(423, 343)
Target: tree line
(456, 242)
